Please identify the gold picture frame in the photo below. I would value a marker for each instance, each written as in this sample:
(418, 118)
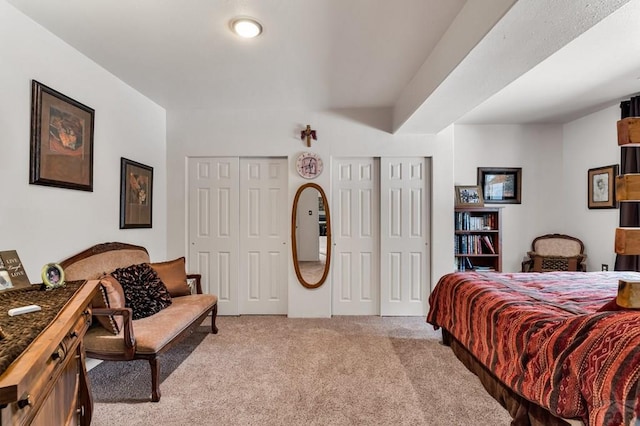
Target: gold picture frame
(469, 196)
(52, 275)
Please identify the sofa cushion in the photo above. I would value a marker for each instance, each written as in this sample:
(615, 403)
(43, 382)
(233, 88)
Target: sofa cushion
(173, 274)
(144, 292)
(155, 332)
(110, 295)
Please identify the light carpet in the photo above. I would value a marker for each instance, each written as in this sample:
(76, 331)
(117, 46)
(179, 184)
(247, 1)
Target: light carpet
(273, 370)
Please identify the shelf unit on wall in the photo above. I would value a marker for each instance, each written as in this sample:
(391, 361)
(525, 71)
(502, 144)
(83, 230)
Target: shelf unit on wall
(478, 238)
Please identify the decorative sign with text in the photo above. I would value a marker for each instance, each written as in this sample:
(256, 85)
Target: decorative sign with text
(15, 269)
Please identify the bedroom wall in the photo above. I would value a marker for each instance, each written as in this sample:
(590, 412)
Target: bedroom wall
(277, 133)
(538, 150)
(555, 161)
(590, 142)
(46, 224)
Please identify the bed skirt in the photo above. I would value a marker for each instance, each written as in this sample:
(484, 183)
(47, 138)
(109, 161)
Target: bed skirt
(522, 411)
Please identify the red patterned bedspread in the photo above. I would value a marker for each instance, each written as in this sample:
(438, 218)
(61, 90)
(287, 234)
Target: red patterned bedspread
(542, 336)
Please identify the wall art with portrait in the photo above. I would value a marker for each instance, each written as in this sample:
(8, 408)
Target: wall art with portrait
(601, 187)
(501, 185)
(136, 194)
(61, 140)
(469, 196)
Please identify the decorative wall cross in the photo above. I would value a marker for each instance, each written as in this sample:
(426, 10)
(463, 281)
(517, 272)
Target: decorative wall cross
(309, 134)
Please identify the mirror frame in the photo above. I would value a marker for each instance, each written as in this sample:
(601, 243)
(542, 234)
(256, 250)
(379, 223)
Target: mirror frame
(294, 245)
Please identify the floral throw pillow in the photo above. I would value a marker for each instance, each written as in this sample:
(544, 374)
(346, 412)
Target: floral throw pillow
(144, 292)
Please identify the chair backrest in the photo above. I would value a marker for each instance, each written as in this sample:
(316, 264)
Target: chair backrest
(557, 252)
(557, 245)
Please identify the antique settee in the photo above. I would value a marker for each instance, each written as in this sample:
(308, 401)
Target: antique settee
(156, 315)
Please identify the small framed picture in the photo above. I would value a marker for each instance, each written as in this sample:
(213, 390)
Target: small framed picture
(136, 194)
(501, 185)
(52, 275)
(601, 187)
(469, 196)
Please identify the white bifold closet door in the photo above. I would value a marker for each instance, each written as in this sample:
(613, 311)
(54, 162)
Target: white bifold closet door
(404, 232)
(355, 264)
(380, 220)
(237, 234)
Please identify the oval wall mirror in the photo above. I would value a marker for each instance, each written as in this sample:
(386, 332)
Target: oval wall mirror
(311, 235)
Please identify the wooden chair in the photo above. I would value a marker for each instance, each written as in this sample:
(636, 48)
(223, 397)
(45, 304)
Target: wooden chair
(555, 252)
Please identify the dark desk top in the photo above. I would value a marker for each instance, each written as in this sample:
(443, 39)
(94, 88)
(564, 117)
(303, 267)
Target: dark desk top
(19, 331)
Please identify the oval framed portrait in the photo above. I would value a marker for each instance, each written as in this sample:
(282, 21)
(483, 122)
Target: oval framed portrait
(52, 275)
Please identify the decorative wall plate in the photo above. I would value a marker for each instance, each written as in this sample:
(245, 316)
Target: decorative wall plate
(309, 165)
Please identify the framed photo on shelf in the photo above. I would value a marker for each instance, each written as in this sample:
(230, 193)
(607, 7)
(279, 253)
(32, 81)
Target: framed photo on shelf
(601, 184)
(61, 140)
(469, 196)
(501, 185)
(136, 194)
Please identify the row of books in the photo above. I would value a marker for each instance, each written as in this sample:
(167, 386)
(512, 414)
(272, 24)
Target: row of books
(465, 264)
(467, 222)
(474, 244)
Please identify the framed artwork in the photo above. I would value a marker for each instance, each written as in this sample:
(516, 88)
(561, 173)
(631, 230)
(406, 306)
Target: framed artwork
(601, 184)
(469, 196)
(52, 275)
(61, 140)
(501, 185)
(136, 194)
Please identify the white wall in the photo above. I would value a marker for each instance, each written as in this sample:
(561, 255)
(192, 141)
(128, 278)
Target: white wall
(538, 150)
(277, 133)
(555, 161)
(46, 224)
(590, 142)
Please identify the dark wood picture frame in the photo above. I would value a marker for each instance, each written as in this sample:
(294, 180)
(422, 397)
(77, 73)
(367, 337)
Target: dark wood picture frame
(61, 140)
(601, 187)
(136, 194)
(501, 185)
(469, 196)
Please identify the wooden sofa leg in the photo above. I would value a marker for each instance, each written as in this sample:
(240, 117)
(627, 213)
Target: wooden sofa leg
(155, 380)
(214, 314)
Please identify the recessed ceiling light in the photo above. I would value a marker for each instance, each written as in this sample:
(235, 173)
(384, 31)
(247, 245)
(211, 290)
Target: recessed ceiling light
(246, 27)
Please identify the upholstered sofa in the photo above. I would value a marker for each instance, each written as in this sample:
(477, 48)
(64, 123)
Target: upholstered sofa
(157, 314)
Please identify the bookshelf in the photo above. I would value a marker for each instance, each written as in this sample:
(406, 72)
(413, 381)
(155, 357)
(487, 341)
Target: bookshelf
(478, 238)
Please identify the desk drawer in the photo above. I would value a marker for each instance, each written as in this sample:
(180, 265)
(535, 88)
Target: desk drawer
(56, 362)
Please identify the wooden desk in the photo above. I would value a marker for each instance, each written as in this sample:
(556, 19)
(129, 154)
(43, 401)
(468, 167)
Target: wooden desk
(47, 384)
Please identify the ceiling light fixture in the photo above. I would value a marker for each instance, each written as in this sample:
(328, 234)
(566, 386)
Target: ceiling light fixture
(246, 27)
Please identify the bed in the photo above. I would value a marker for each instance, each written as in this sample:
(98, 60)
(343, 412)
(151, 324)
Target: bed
(552, 348)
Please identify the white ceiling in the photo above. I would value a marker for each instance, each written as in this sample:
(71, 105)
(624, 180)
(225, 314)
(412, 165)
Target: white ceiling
(429, 62)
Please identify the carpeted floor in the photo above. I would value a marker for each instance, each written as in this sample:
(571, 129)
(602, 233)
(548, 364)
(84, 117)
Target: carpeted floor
(271, 370)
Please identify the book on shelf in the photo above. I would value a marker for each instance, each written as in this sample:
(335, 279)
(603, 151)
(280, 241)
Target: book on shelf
(484, 268)
(488, 243)
(12, 264)
(468, 264)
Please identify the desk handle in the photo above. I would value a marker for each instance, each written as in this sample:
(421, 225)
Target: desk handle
(26, 401)
(58, 354)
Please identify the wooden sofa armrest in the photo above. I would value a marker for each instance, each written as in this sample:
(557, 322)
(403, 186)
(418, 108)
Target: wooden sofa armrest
(197, 278)
(129, 336)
